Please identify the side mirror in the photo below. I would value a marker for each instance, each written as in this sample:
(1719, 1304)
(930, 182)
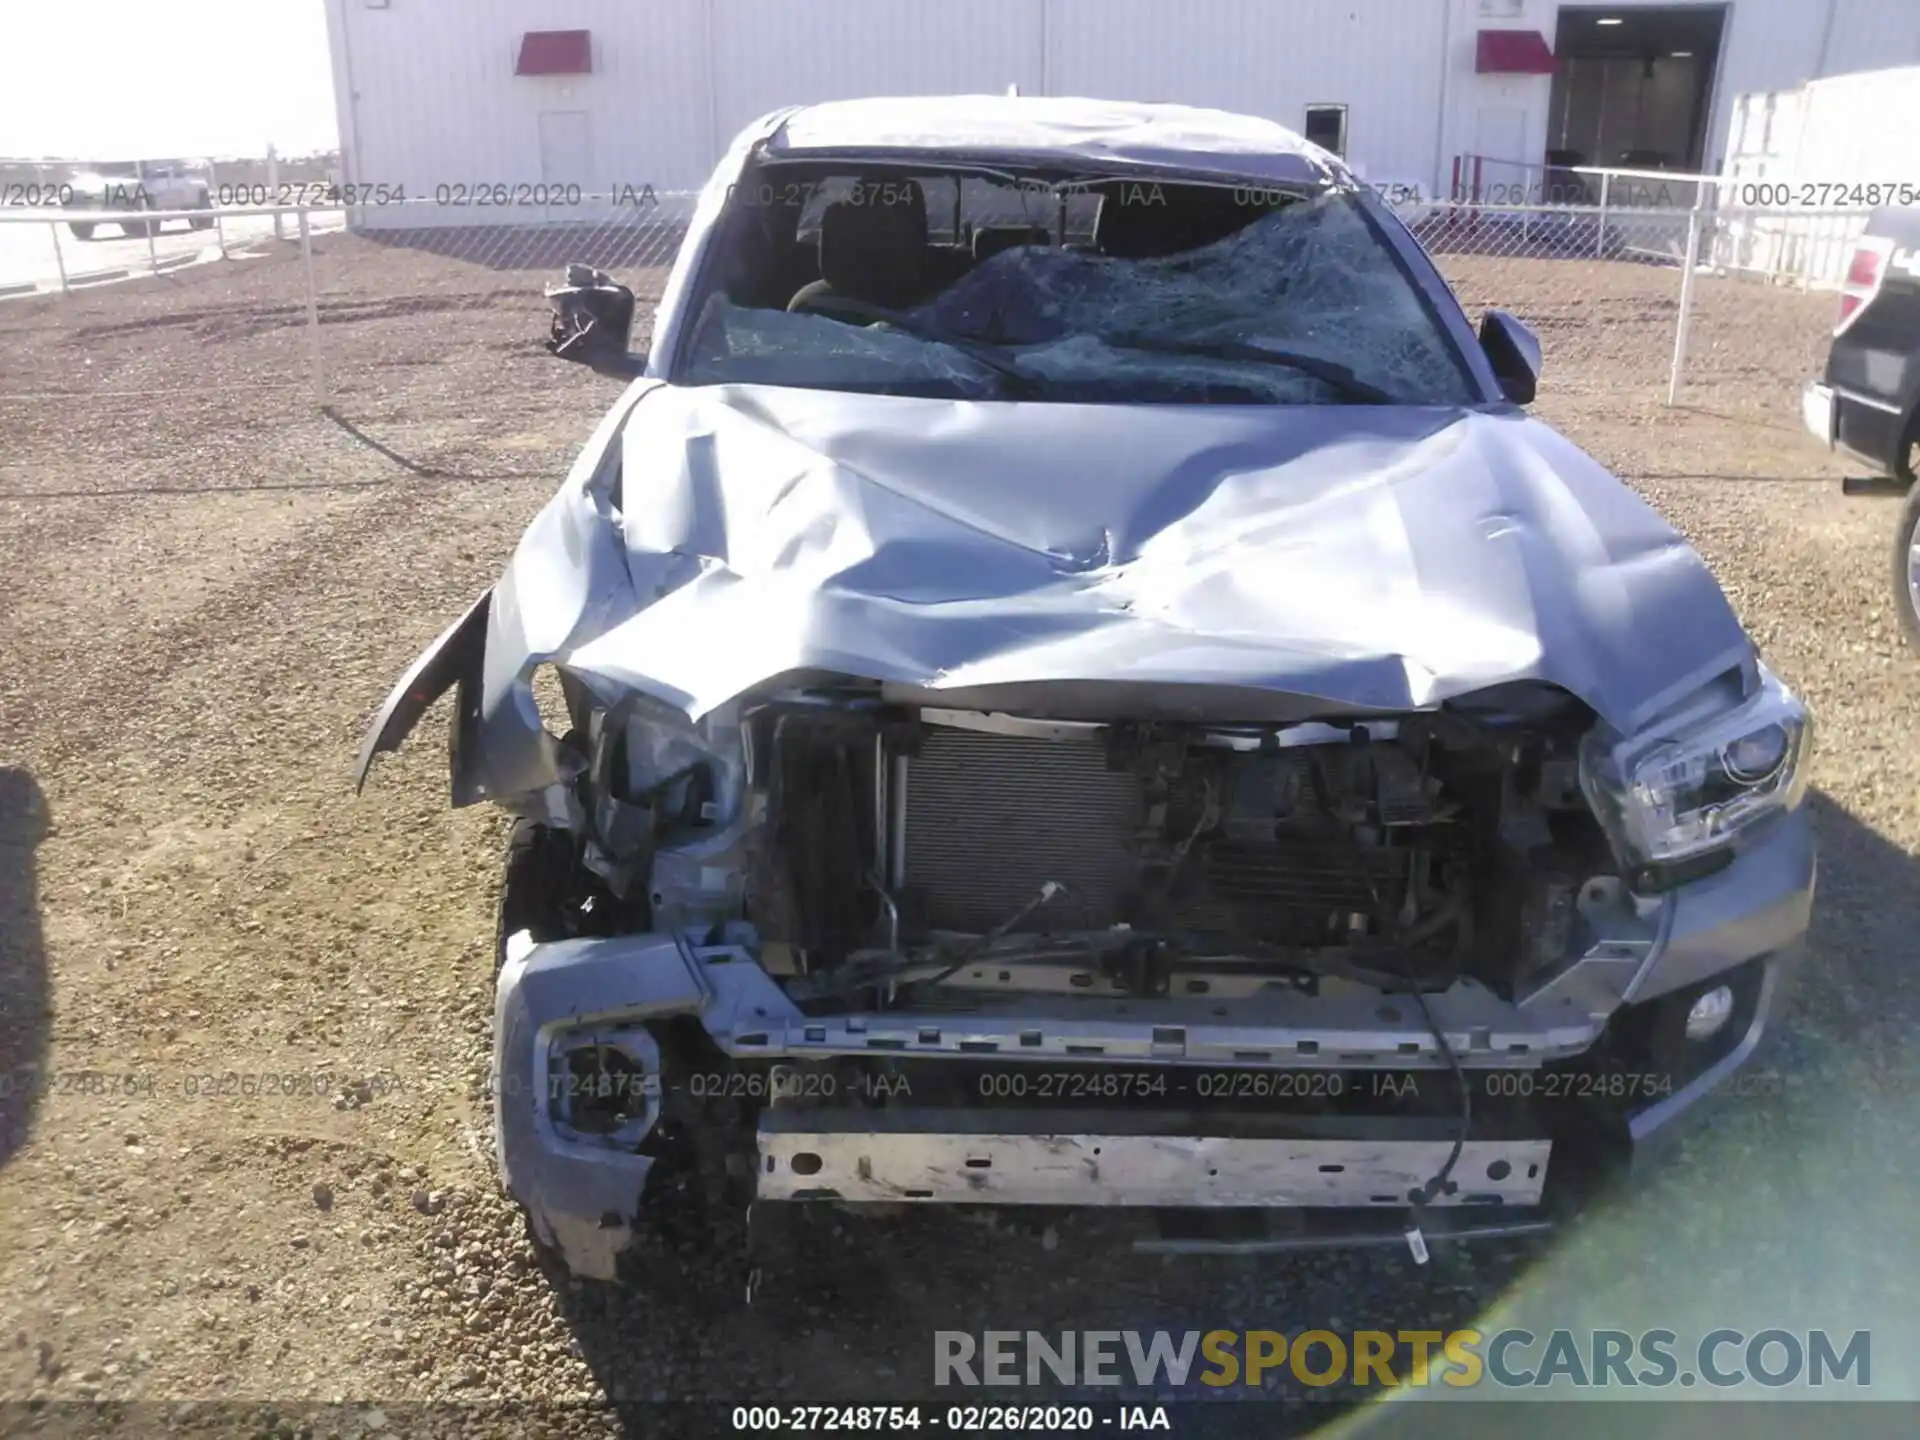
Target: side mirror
(592, 320)
(1514, 352)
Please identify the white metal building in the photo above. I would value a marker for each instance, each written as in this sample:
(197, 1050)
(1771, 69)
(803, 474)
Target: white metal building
(608, 94)
(1795, 157)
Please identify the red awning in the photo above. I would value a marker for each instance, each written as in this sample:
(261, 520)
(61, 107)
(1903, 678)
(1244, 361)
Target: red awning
(555, 52)
(1512, 52)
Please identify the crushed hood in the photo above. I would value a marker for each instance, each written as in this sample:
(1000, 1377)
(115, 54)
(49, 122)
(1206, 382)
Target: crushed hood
(1366, 557)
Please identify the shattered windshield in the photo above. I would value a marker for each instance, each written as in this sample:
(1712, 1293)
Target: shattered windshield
(995, 287)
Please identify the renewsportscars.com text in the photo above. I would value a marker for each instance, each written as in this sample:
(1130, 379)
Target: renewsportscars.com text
(1506, 1359)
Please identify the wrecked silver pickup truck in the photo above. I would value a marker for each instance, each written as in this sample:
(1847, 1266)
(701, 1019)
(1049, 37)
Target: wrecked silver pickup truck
(1076, 683)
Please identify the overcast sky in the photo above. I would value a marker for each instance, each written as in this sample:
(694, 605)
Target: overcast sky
(135, 78)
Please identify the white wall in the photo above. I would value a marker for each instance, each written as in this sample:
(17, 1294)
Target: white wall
(433, 98)
(428, 93)
(771, 53)
(1268, 59)
(1869, 35)
(1816, 143)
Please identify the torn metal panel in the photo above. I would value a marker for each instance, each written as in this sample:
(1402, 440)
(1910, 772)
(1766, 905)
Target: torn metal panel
(452, 659)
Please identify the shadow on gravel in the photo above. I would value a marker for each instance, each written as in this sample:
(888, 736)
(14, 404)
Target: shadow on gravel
(1861, 988)
(351, 430)
(414, 467)
(855, 1318)
(425, 472)
(24, 1008)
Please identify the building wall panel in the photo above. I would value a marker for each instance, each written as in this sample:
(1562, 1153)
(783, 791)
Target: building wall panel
(1267, 58)
(1870, 34)
(774, 53)
(428, 94)
(435, 100)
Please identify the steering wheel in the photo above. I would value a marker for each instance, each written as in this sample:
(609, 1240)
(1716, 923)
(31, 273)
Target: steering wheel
(844, 307)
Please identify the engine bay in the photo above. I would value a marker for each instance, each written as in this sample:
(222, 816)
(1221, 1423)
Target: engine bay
(960, 858)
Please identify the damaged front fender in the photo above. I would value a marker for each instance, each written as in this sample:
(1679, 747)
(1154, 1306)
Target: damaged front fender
(454, 659)
(567, 579)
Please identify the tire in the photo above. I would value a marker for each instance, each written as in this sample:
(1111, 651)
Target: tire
(82, 229)
(535, 866)
(538, 865)
(202, 222)
(133, 229)
(1906, 556)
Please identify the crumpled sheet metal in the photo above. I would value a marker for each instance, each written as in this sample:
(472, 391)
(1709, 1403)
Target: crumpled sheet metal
(1369, 558)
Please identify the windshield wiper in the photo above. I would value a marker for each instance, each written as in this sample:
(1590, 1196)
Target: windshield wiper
(1330, 372)
(991, 356)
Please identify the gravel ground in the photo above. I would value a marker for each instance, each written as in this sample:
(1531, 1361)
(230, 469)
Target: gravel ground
(205, 594)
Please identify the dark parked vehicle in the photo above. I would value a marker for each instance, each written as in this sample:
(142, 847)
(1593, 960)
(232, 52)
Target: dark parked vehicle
(1867, 403)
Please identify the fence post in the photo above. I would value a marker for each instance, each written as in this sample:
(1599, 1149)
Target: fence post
(213, 197)
(273, 189)
(1691, 261)
(153, 256)
(59, 258)
(1600, 239)
(313, 311)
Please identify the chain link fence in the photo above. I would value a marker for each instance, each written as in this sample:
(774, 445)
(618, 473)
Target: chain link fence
(425, 318)
(179, 210)
(430, 319)
(1654, 297)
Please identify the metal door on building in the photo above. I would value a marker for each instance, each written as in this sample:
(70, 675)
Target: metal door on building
(566, 158)
(1500, 139)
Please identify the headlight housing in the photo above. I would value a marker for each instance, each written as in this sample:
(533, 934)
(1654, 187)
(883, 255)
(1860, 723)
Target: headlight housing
(1687, 786)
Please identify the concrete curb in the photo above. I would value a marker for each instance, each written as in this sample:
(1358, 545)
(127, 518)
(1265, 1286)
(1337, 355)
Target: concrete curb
(27, 289)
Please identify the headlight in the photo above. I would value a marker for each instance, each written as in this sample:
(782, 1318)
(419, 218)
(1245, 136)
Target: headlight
(1690, 785)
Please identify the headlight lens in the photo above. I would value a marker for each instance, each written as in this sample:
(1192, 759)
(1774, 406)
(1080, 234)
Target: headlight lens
(1687, 787)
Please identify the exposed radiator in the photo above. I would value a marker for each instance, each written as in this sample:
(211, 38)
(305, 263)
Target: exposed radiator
(991, 818)
(1295, 890)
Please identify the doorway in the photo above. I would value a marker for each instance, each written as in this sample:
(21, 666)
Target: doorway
(1633, 87)
(1501, 170)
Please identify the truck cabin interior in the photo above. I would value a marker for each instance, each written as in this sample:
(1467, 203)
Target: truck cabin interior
(893, 237)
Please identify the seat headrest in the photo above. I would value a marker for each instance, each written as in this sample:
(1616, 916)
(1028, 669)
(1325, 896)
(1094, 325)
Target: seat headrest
(875, 251)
